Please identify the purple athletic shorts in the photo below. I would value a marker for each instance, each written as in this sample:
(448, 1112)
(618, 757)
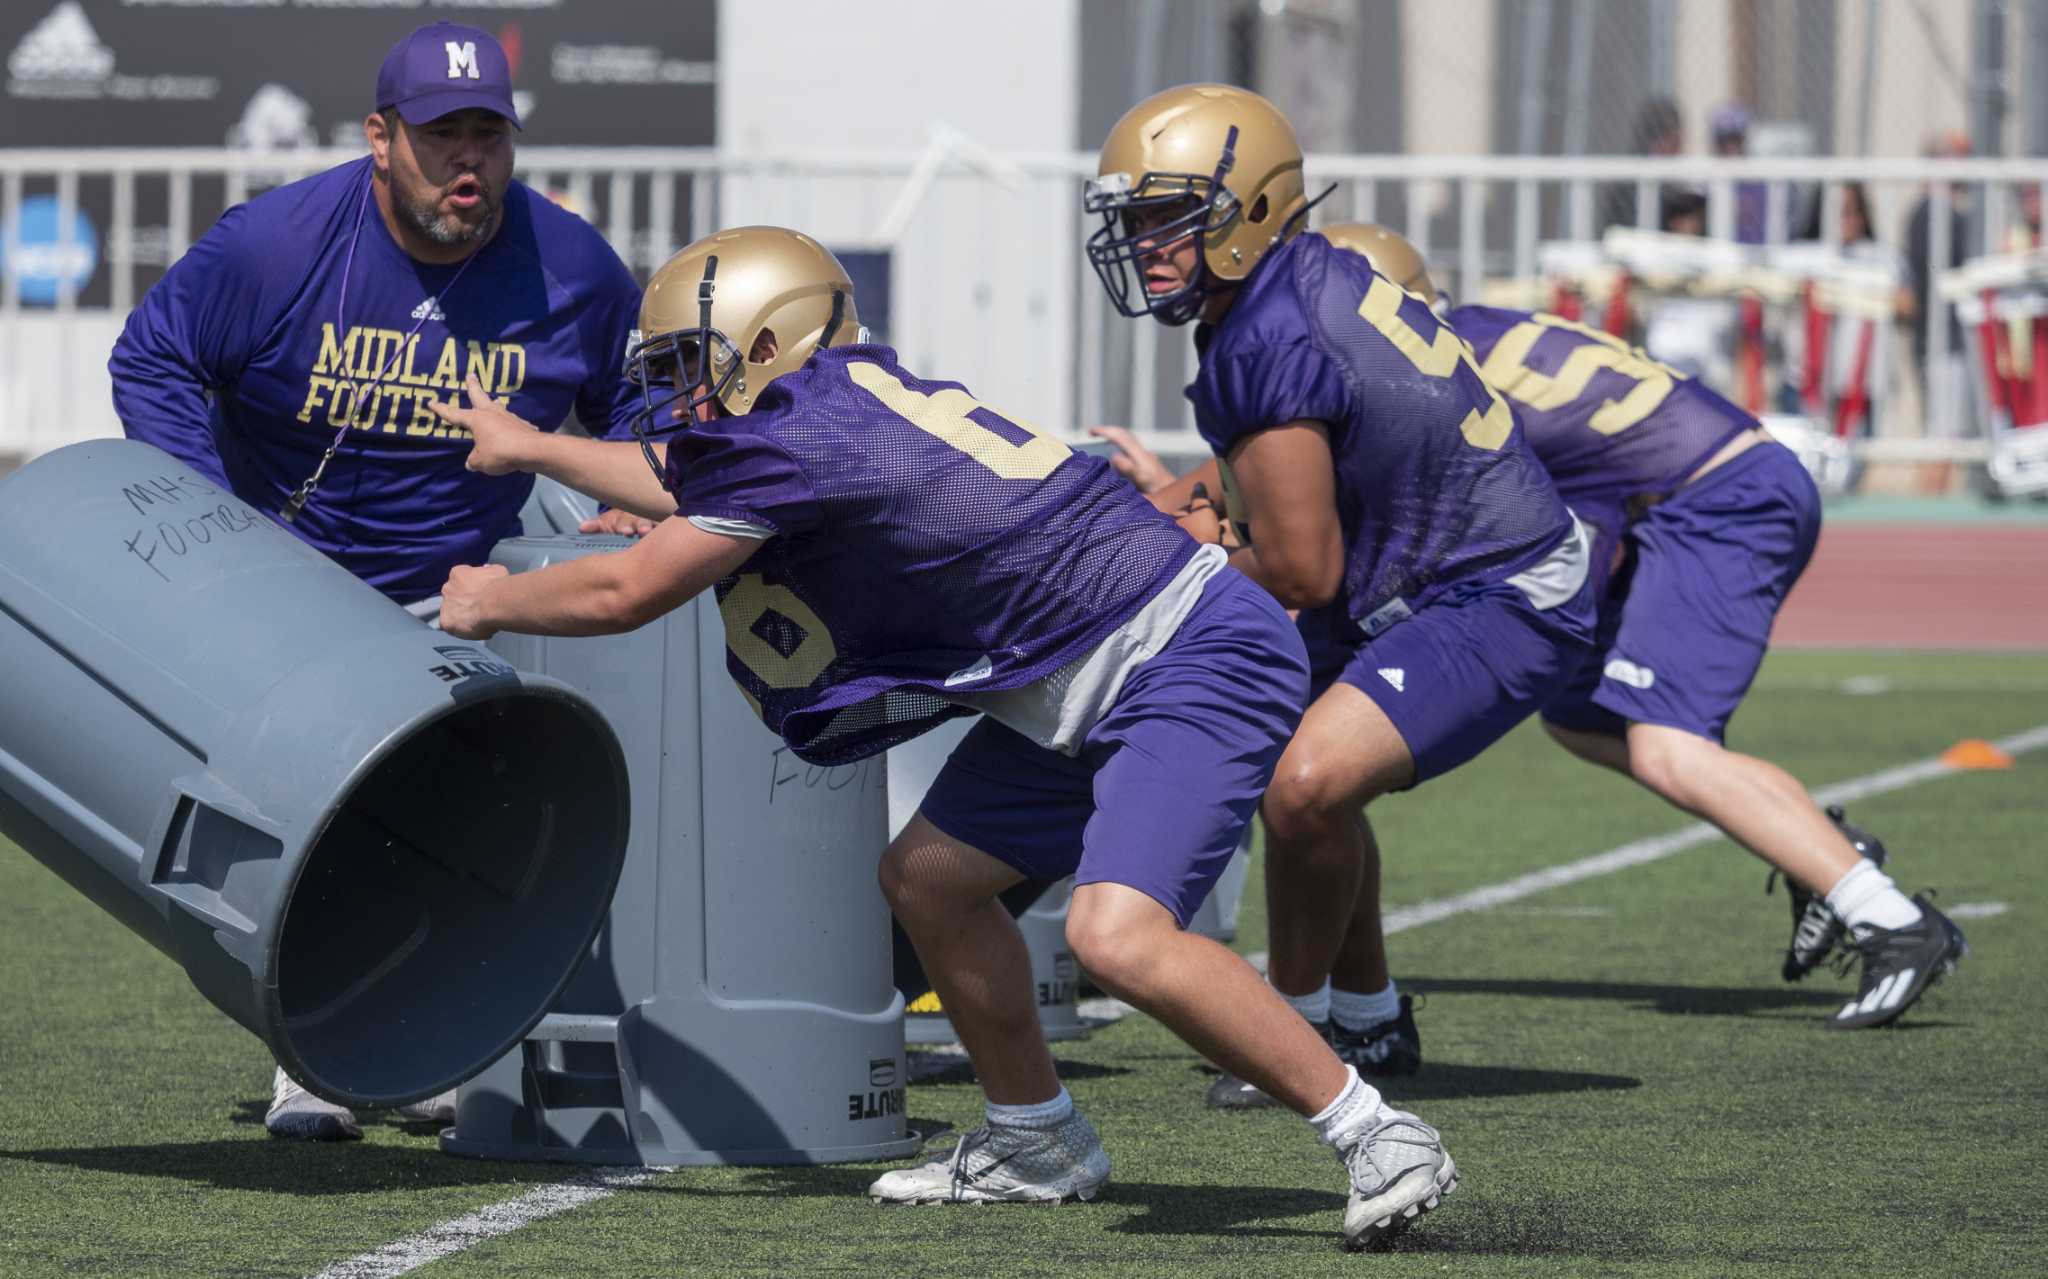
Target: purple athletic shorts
(1464, 669)
(1165, 782)
(1686, 619)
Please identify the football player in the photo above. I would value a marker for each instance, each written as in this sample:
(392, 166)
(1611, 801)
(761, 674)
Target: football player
(1381, 488)
(1705, 523)
(888, 553)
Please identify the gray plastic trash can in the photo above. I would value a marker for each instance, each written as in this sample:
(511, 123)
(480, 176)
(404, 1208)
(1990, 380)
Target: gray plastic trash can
(1217, 916)
(381, 850)
(554, 507)
(739, 1007)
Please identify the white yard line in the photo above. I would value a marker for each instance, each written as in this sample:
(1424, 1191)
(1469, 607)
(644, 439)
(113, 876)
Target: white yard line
(414, 1251)
(410, 1253)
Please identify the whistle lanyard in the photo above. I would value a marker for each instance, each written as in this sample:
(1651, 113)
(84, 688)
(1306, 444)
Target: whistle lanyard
(304, 493)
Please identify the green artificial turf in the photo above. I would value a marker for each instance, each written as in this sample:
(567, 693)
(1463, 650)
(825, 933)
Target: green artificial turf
(1626, 1084)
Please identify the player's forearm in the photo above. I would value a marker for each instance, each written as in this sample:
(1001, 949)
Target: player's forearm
(614, 472)
(1245, 559)
(589, 596)
(1296, 583)
(1175, 496)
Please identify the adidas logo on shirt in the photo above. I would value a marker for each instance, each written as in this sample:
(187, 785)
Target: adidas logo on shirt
(1396, 676)
(429, 310)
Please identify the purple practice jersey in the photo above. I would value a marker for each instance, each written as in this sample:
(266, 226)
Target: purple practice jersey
(1435, 485)
(1615, 429)
(923, 547)
(298, 314)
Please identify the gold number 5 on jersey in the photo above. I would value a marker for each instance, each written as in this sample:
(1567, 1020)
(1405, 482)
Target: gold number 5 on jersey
(1438, 358)
(1506, 368)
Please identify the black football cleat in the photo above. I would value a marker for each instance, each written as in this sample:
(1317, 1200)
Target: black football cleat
(1899, 964)
(1391, 1047)
(1816, 930)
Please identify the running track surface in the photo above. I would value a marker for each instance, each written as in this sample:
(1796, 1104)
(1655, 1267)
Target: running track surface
(1921, 586)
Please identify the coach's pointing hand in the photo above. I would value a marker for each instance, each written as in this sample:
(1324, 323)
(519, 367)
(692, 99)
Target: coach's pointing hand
(1132, 460)
(501, 436)
(462, 598)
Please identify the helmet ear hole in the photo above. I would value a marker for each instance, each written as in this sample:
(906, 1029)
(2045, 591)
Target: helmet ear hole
(765, 347)
(1259, 210)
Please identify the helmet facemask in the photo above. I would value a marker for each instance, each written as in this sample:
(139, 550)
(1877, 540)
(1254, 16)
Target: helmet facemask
(674, 374)
(1118, 250)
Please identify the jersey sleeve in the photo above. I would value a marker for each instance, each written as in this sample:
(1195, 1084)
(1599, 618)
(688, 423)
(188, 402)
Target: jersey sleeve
(1245, 392)
(192, 335)
(730, 474)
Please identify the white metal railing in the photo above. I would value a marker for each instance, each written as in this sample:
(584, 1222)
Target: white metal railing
(988, 280)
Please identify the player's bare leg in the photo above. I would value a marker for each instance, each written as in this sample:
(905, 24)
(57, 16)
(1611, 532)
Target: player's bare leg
(1759, 805)
(944, 894)
(1035, 1147)
(1906, 945)
(1204, 992)
(1217, 1003)
(1361, 962)
(1322, 864)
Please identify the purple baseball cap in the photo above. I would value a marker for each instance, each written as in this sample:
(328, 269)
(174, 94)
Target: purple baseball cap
(445, 67)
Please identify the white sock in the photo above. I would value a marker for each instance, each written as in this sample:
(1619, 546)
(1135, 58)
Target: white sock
(1314, 1007)
(1038, 1114)
(1866, 898)
(1358, 1102)
(1354, 1011)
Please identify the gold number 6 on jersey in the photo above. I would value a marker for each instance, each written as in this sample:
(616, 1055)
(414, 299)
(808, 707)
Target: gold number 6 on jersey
(1437, 358)
(750, 599)
(943, 415)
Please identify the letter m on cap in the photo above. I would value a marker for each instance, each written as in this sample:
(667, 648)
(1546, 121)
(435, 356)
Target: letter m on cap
(462, 60)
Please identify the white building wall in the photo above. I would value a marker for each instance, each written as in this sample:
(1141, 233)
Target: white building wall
(827, 76)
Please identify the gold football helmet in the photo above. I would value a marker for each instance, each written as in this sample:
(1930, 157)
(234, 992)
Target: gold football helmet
(1390, 254)
(705, 312)
(1218, 164)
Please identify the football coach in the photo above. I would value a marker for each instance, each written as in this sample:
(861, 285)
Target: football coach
(291, 355)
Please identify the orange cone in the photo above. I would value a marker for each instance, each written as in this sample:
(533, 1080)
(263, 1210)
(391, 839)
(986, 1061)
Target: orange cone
(1975, 752)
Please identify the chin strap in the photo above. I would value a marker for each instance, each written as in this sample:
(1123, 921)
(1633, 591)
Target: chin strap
(838, 314)
(1287, 228)
(705, 288)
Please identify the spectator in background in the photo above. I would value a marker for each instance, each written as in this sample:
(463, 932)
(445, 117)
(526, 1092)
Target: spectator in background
(1729, 126)
(1682, 211)
(1861, 354)
(1659, 131)
(1857, 229)
(1945, 396)
(2024, 235)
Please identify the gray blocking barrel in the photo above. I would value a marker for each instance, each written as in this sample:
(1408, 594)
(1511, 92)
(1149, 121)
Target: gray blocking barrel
(1217, 917)
(554, 507)
(381, 850)
(738, 1007)
(1055, 978)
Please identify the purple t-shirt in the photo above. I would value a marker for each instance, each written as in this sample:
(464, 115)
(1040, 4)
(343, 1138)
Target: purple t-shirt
(1612, 426)
(1435, 484)
(244, 362)
(924, 547)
